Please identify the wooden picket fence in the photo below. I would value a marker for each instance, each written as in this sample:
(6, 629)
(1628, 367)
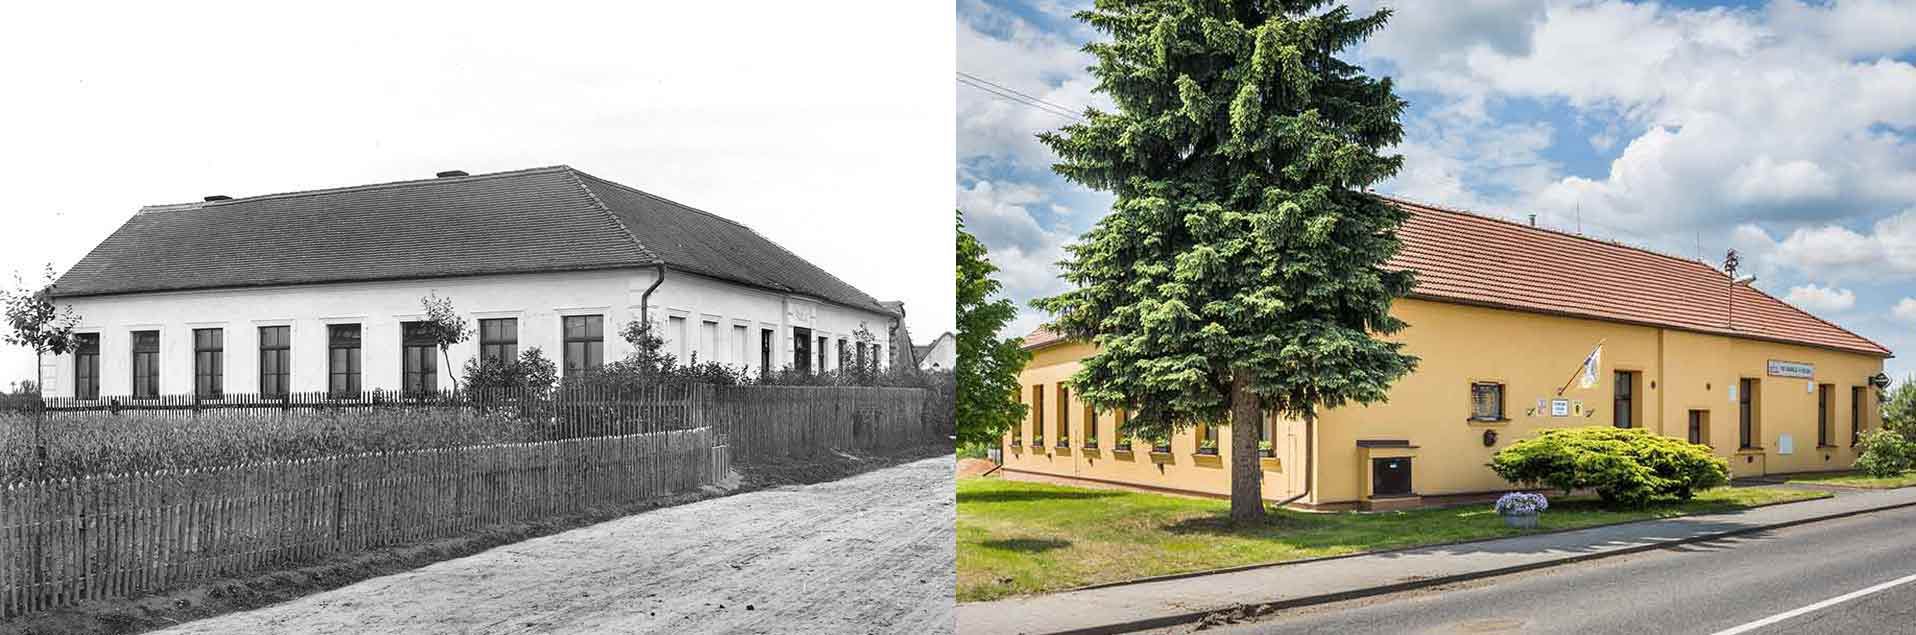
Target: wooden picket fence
(72, 540)
(764, 422)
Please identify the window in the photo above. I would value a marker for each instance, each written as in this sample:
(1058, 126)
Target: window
(1624, 400)
(844, 354)
(1824, 393)
(1856, 396)
(822, 352)
(419, 360)
(1266, 433)
(1206, 439)
(146, 364)
(861, 354)
(1124, 440)
(209, 363)
(585, 342)
(1037, 416)
(342, 358)
(1090, 427)
(1064, 416)
(708, 341)
(1746, 422)
(739, 349)
(802, 349)
(1487, 401)
(675, 338)
(1700, 426)
(86, 366)
(498, 339)
(765, 337)
(275, 357)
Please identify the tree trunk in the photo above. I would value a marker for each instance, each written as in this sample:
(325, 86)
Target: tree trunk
(455, 380)
(39, 416)
(1247, 491)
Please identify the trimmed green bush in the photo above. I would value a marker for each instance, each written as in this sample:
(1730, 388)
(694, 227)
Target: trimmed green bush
(1886, 453)
(1627, 467)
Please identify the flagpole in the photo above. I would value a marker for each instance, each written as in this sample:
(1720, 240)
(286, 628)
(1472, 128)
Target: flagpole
(1586, 359)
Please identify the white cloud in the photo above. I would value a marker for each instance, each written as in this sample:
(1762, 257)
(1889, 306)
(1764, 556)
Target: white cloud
(1742, 115)
(1007, 50)
(820, 128)
(1817, 299)
(1886, 252)
(1905, 310)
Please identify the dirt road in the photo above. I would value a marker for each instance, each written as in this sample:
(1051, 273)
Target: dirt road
(871, 553)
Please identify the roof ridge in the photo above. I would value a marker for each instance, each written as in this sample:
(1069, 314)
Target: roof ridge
(661, 199)
(169, 207)
(1546, 230)
(578, 178)
(875, 301)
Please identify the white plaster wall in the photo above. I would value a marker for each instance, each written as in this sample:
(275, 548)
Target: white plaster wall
(537, 300)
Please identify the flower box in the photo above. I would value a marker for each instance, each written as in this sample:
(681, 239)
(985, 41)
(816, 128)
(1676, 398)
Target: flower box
(1520, 509)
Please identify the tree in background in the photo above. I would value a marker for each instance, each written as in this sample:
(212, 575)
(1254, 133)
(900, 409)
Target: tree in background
(446, 327)
(35, 322)
(1240, 270)
(987, 368)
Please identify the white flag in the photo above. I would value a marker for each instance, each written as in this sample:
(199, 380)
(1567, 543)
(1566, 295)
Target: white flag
(1590, 365)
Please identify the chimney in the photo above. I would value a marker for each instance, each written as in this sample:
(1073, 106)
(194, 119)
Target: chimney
(452, 173)
(217, 198)
(1533, 220)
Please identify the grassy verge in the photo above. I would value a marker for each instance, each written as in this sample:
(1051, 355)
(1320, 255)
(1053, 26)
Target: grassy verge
(1018, 538)
(1858, 480)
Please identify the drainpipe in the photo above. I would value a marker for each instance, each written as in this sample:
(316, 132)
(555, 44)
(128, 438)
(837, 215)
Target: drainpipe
(1310, 439)
(645, 301)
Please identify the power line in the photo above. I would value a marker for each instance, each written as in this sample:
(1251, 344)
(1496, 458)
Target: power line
(1014, 96)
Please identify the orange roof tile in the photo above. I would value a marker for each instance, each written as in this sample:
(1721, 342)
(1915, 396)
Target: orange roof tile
(1468, 258)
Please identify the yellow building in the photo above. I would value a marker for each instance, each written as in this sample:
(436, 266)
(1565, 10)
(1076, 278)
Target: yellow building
(1503, 317)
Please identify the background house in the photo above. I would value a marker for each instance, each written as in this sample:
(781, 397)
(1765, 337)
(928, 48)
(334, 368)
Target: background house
(311, 291)
(940, 354)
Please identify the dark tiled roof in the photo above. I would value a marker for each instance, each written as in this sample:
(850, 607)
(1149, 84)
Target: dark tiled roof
(538, 220)
(1467, 258)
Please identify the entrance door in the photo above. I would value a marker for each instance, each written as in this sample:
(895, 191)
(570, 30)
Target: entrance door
(1390, 477)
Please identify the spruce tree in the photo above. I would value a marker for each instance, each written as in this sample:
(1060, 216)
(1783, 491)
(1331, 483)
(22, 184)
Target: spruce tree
(988, 365)
(1241, 269)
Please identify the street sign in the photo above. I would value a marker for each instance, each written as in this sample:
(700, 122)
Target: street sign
(1798, 370)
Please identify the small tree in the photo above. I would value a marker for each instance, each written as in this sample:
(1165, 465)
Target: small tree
(446, 327)
(988, 365)
(1241, 270)
(35, 322)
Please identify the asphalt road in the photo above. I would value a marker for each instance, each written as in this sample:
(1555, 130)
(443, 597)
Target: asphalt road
(1795, 578)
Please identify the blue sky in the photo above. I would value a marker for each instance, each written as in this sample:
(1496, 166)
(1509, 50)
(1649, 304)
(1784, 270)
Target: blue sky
(1784, 129)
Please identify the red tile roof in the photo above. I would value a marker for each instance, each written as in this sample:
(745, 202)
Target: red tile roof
(537, 220)
(1468, 258)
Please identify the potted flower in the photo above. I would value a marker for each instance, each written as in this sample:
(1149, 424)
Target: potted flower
(1520, 509)
(1265, 450)
(1207, 446)
(1064, 441)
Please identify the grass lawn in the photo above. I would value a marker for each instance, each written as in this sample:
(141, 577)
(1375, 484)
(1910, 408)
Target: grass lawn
(1019, 538)
(1858, 480)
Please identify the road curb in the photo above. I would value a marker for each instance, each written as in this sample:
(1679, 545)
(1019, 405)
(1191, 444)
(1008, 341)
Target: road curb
(1167, 621)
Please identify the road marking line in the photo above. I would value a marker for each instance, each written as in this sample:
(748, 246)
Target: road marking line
(1818, 606)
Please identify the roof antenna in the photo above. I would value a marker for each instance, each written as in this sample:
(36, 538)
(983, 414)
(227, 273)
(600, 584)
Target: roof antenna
(1579, 216)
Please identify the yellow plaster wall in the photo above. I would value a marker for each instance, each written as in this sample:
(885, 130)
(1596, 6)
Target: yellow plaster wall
(1532, 355)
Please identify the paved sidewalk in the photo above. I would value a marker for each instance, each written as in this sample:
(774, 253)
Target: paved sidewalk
(1183, 600)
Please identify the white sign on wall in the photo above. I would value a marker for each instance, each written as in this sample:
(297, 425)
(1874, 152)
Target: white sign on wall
(1798, 370)
(1560, 407)
(1785, 444)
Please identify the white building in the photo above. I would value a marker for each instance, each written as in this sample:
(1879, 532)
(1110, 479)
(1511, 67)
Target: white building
(310, 291)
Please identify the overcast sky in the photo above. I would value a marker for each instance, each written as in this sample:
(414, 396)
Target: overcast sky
(826, 127)
(1785, 129)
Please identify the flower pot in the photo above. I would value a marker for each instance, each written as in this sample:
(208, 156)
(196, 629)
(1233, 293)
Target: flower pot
(1521, 521)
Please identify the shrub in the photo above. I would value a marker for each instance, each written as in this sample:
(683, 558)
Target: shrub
(1627, 467)
(1521, 503)
(1886, 453)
